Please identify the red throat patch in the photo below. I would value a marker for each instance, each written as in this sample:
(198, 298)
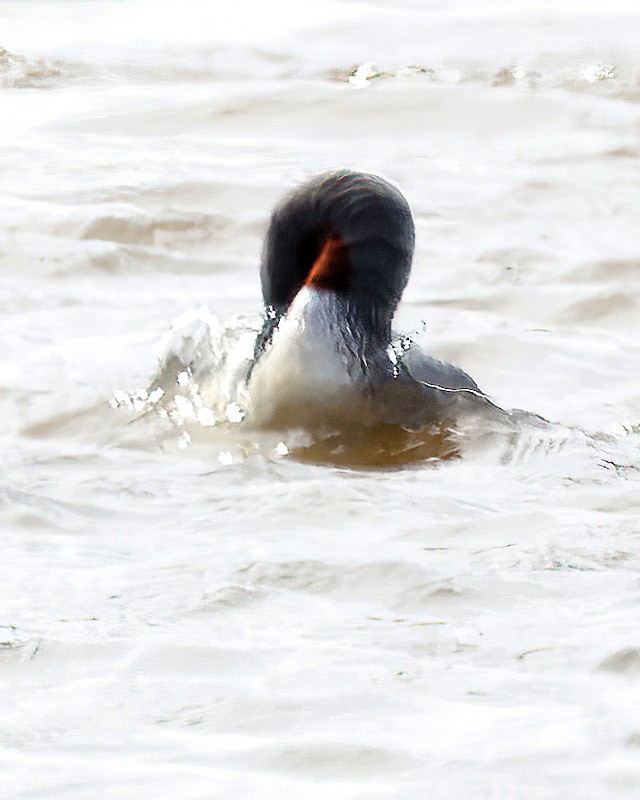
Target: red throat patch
(330, 270)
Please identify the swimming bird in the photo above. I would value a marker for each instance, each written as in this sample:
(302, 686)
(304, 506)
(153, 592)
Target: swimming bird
(336, 259)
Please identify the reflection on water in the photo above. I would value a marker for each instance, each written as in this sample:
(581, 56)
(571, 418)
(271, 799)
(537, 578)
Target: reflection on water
(381, 447)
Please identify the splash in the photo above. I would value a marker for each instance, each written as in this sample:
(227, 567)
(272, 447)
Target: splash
(614, 80)
(598, 72)
(202, 368)
(365, 73)
(200, 385)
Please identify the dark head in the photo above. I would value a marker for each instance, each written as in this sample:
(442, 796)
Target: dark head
(345, 231)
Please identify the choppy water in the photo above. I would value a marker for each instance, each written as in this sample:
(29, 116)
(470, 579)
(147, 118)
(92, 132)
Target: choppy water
(186, 609)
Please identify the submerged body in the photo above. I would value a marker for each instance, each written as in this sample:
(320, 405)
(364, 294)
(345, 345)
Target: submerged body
(337, 257)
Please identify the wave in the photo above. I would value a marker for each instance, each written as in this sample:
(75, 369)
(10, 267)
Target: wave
(40, 72)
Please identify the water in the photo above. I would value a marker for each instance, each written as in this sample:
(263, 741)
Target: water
(187, 609)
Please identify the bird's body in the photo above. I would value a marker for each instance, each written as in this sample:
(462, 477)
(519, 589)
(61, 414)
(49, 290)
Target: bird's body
(337, 257)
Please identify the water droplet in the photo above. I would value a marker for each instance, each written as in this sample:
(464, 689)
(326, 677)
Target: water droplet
(234, 413)
(598, 72)
(406, 343)
(361, 76)
(206, 417)
(120, 399)
(155, 394)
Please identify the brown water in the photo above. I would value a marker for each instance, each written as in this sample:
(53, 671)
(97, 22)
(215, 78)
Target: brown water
(193, 608)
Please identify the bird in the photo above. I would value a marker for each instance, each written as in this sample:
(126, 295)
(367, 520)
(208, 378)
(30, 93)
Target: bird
(336, 259)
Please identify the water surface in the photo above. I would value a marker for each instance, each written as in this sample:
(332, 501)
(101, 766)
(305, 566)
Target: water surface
(188, 610)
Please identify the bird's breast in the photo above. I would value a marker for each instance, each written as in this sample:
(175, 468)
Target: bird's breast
(313, 370)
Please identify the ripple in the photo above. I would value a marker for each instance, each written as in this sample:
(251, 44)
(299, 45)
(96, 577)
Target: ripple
(623, 662)
(32, 510)
(325, 760)
(161, 231)
(387, 583)
(600, 77)
(20, 72)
